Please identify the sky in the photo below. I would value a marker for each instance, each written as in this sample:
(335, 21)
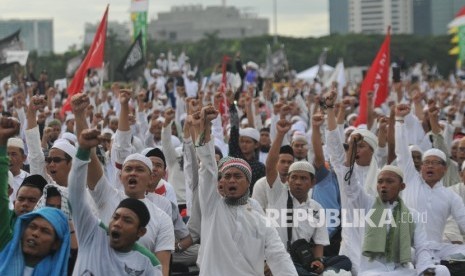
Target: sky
(298, 18)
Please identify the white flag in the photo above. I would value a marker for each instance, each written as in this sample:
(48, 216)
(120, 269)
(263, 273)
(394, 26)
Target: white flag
(17, 56)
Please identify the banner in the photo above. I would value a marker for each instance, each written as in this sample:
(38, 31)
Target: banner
(93, 59)
(133, 59)
(376, 80)
(139, 10)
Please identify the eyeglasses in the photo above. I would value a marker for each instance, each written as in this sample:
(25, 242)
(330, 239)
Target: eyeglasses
(54, 159)
(433, 162)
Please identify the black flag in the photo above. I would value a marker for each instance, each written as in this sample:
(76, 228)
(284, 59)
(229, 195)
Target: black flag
(132, 60)
(9, 43)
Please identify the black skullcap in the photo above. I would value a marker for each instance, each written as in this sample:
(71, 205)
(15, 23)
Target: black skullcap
(35, 180)
(138, 207)
(286, 150)
(157, 153)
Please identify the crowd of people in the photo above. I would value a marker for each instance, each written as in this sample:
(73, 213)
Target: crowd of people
(238, 175)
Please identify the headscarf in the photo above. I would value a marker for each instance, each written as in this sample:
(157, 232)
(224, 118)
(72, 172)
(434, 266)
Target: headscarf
(65, 206)
(55, 264)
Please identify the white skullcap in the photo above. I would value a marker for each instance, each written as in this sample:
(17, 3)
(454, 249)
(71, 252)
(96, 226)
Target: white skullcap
(69, 117)
(349, 128)
(299, 136)
(155, 71)
(351, 116)
(139, 157)
(415, 148)
(296, 118)
(175, 141)
(65, 145)
(107, 131)
(113, 117)
(435, 152)
(250, 132)
(191, 74)
(302, 166)
(15, 142)
(70, 137)
(252, 65)
(368, 137)
(174, 68)
(244, 121)
(394, 169)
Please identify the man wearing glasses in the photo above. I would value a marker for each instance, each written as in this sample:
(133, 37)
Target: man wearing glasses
(57, 165)
(425, 191)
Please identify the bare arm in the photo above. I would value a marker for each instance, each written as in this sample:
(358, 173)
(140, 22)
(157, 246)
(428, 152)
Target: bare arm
(282, 128)
(317, 121)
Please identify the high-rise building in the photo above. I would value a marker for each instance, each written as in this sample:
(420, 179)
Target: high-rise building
(191, 23)
(36, 34)
(338, 16)
(371, 16)
(431, 17)
(120, 30)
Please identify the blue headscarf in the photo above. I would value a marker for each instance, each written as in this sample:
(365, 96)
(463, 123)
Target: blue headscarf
(12, 258)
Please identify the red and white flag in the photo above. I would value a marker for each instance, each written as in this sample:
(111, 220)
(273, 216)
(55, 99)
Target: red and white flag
(376, 80)
(93, 59)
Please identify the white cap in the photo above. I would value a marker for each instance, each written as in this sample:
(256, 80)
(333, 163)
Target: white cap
(156, 71)
(252, 65)
(415, 148)
(69, 117)
(435, 152)
(299, 136)
(141, 158)
(250, 132)
(368, 137)
(15, 142)
(65, 145)
(393, 169)
(70, 137)
(302, 166)
(191, 74)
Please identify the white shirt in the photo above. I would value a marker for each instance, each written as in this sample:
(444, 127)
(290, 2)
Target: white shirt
(160, 232)
(278, 195)
(96, 256)
(358, 198)
(235, 239)
(437, 202)
(17, 180)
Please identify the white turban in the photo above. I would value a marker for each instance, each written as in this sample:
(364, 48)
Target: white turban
(141, 158)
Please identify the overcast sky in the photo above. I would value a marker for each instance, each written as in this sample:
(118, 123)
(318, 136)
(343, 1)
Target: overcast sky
(300, 18)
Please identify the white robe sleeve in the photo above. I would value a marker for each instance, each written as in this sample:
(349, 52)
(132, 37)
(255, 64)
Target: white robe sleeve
(208, 179)
(35, 154)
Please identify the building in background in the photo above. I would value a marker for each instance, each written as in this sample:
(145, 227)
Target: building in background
(36, 34)
(374, 16)
(370, 16)
(432, 16)
(338, 16)
(420, 17)
(121, 30)
(191, 23)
